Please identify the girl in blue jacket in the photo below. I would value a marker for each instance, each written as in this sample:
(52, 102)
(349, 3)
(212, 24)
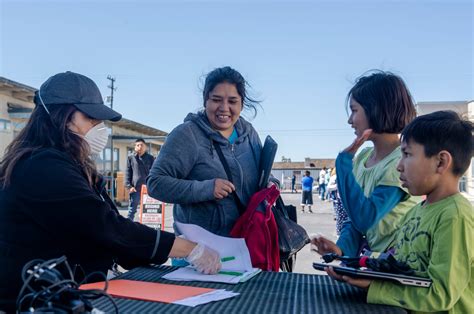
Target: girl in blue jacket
(368, 184)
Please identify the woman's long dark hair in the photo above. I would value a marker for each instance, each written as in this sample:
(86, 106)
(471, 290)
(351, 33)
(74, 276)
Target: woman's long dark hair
(44, 131)
(231, 76)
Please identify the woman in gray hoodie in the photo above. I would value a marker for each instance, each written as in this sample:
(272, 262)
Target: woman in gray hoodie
(188, 171)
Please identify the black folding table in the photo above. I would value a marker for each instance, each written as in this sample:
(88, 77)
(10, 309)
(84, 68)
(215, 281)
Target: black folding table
(268, 292)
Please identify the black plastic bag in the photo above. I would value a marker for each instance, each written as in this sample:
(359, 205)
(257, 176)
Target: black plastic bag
(291, 236)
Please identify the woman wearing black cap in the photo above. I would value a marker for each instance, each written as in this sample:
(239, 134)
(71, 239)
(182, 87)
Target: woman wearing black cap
(53, 201)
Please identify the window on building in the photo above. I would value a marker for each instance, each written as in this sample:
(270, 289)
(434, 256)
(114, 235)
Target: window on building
(103, 161)
(18, 115)
(5, 125)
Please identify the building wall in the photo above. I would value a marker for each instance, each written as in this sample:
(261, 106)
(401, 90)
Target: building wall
(7, 124)
(6, 131)
(464, 108)
(284, 175)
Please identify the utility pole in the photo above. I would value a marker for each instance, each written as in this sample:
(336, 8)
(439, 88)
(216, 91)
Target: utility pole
(111, 101)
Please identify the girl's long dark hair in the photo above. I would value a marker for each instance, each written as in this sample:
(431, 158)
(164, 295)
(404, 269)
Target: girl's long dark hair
(44, 131)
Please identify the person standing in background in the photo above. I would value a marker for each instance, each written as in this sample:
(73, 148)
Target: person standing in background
(339, 212)
(326, 182)
(138, 167)
(322, 184)
(307, 191)
(293, 183)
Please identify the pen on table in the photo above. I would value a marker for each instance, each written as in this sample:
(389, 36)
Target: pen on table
(231, 273)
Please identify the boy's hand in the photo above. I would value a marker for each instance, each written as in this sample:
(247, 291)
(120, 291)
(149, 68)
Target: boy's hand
(323, 246)
(361, 283)
(352, 149)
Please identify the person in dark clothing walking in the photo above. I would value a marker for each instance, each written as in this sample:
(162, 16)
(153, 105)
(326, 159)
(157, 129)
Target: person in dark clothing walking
(293, 183)
(138, 167)
(53, 201)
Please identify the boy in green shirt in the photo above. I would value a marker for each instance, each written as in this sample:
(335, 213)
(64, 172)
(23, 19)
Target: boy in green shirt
(436, 239)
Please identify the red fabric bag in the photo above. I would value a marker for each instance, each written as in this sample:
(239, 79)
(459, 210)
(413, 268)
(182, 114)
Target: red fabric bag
(258, 227)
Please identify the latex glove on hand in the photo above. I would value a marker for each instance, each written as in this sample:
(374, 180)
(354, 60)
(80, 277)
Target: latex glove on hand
(204, 259)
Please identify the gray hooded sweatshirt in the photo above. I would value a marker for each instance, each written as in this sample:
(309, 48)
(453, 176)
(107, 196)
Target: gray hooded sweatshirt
(188, 165)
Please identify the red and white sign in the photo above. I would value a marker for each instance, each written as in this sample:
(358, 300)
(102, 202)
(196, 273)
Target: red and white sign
(152, 211)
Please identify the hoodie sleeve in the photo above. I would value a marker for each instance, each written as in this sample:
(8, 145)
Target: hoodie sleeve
(364, 212)
(167, 180)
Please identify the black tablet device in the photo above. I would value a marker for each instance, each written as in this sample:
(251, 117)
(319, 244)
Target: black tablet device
(370, 274)
(266, 161)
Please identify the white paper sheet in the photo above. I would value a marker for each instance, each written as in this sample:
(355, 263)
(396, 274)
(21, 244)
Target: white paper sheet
(226, 247)
(212, 296)
(190, 274)
(240, 267)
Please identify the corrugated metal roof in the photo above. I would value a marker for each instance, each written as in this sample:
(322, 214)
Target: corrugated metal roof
(135, 126)
(288, 165)
(17, 86)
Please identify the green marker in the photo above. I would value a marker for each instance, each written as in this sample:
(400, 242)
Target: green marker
(228, 258)
(231, 273)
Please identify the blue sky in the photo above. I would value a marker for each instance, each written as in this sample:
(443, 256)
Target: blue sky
(301, 57)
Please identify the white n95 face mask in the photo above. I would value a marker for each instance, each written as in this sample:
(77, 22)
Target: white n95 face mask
(97, 138)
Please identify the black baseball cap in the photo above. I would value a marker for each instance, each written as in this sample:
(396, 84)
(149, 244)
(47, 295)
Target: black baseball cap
(71, 88)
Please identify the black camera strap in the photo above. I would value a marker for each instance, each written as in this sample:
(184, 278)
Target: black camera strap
(239, 204)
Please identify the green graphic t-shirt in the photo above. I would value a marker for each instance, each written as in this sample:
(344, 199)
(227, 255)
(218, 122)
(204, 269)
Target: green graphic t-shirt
(437, 241)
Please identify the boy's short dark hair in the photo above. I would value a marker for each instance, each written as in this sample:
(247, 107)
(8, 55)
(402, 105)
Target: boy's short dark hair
(386, 100)
(140, 140)
(443, 130)
(307, 173)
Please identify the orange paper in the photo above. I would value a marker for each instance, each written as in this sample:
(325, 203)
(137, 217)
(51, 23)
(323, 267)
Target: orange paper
(147, 291)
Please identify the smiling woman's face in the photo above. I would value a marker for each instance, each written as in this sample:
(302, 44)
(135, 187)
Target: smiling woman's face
(223, 108)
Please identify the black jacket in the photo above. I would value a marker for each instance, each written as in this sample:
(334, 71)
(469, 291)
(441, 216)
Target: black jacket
(49, 210)
(138, 169)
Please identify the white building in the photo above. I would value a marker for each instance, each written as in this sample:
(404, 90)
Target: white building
(465, 108)
(16, 103)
